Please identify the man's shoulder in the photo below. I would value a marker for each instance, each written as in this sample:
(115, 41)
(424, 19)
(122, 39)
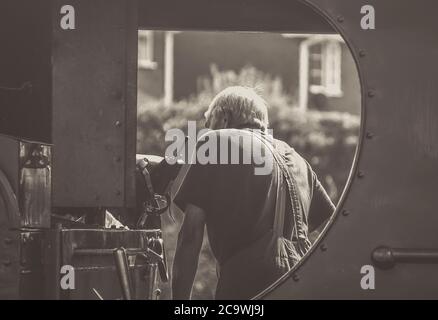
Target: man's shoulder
(221, 133)
(289, 152)
(233, 135)
(230, 132)
(284, 147)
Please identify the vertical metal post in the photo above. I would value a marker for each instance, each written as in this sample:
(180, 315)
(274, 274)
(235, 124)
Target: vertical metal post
(168, 68)
(122, 267)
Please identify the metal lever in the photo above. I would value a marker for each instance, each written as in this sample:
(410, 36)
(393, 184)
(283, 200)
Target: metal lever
(159, 255)
(122, 267)
(162, 263)
(385, 257)
(98, 295)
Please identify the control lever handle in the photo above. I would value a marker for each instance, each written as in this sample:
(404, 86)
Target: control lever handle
(162, 263)
(159, 255)
(122, 267)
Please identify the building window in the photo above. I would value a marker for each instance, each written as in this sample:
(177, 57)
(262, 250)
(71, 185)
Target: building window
(325, 68)
(146, 50)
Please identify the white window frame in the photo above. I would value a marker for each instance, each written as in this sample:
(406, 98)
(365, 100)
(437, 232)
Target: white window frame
(146, 50)
(330, 72)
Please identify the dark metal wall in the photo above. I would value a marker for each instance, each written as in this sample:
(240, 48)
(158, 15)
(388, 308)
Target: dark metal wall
(76, 89)
(25, 69)
(237, 15)
(94, 104)
(392, 198)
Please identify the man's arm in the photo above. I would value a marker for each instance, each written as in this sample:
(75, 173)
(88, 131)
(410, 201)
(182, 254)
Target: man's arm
(188, 247)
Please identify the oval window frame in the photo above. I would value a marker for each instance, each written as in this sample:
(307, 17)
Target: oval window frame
(354, 167)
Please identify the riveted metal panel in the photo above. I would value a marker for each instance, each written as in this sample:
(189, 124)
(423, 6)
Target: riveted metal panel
(93, 101)
(392, 198)
(25, 69)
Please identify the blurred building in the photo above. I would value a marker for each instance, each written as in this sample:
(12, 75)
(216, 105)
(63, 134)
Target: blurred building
(316, 69)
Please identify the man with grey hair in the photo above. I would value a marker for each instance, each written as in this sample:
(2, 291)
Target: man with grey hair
(238, 206)
(237, 107)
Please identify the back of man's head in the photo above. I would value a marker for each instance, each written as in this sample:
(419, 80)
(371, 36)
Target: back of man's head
(243, 107)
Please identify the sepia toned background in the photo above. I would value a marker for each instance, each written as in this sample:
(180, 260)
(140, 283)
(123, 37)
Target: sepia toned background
(309, 81)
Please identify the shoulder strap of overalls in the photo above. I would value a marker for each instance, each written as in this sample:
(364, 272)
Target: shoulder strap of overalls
(303, 242)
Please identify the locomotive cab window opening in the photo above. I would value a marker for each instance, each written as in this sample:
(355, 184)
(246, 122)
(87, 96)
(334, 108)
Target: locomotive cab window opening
(311, 88)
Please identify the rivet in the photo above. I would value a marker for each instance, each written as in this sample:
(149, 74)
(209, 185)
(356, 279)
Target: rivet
(362, 53)
(296, 277)
(371, 94)
(369, 135)
(360, 174)
(118, 192)
(28, 87)
(323, 247)
(117, 159)
(118, 123)
(341, 19)
(345, 212)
